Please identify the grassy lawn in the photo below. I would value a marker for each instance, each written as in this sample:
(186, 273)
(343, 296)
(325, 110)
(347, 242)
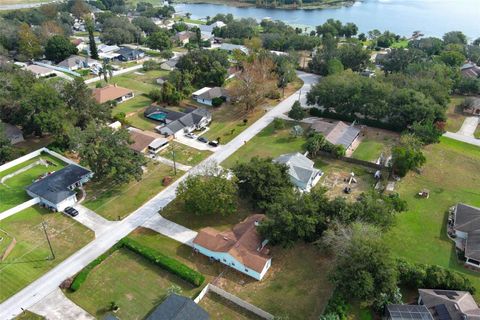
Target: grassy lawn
(452, 174)
(477, 132)
(268, 143)
(455, 116)
(114, 201)
(31, 257)
(220, 308)
(27, 315)
(12, 191)
(185, 154)
(400, 44)
(136, 285)
(374, 143)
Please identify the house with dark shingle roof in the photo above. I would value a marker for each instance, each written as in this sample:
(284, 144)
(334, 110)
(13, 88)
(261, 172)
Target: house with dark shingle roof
(337, 133)
(176, 307)
(466, 227)
(175, 122)
(407, 312)
(449, 304)
(242, 248)
(56, 190)
(301, 171)
(129, 54)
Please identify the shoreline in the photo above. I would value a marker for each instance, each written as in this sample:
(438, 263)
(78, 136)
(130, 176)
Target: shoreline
(240, 4)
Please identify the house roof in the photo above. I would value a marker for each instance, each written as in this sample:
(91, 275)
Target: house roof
(467, 218)
(103, 48)
(183, 35)
(140, 140)
(470, 70)
(231, 47)
(110, 92)
(192, 117)
(176, 307)
(201, 91)
(170, 115)
(338, 133)
(408, 312)
(11, 131)
(39, 70)
(128, 52)
(55, 187)
(299, 166)
(215, 92)
(243, 243)
(76, 60)
(472, 245)
(449, 304)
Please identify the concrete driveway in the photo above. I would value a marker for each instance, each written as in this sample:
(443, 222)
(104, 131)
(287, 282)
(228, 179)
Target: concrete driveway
(469, 126)
(171, 229)
(92, 220)
(195, 143)
(56, 306)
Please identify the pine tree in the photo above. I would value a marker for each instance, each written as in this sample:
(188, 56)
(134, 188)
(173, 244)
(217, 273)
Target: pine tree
(91, 40)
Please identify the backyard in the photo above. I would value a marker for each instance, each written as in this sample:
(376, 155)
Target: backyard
(115, 202)
(375, 142)
(12, 190)
(220, 308)
(184, 154)
(136, 285)
(31, 257)
(452, 174)
(455, 116)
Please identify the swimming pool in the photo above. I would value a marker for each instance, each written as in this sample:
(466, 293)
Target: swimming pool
(159, 116)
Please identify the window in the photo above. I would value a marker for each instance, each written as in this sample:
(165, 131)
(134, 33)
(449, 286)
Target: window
(246, 270)
(233, 264)
(224, 260)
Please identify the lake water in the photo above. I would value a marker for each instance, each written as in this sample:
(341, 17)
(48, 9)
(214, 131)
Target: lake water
(432, 17)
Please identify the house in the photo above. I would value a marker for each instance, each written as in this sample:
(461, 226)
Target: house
(242, 248)
(128, 54)
(183, 37)
(144, 141)
(472, 105)
(112, 93)
(449, 304)
(79, 44)
(39, 71)
(301, 171)
(464, 224)
(207, 94)
(107, 52)
(232, 47)
(170, 64)
(175, 122)
(78, 62)
(380, 58)
(13, 133)
(57, 190)
(407, 312)
(176, 307)
(470, 70)
(337, 133)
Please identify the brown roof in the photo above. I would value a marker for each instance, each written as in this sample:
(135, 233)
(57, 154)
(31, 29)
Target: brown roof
(242, 242)
(336, 133)
(140, 140)
(110, 92)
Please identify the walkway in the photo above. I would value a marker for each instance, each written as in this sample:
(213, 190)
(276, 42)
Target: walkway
(49, 282)
(171, 229)
(92, 220)
(466, 132)
(169, 162)
(56, 306)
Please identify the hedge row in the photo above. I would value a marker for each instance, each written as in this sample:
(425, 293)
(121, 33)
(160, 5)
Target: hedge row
(148, 253)
(345, 117)
(168, 263)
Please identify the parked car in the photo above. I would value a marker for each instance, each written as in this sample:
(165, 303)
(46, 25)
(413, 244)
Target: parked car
(191, 135)
(202, 139)
(214, 143)
(71, 211)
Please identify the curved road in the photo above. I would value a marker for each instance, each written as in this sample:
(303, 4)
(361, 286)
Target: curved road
(46, 284)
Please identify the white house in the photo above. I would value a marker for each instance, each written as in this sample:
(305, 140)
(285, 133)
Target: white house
(207, 94)
(301, 171)
(57, 190)
(242, 248)
(466, 227)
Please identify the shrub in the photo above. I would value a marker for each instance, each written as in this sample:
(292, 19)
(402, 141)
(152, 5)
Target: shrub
(297, 112)
(278, 124)
(337, 306)
(217, 102)
(151, 65)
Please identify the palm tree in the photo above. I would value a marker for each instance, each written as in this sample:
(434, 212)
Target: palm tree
(106, 70)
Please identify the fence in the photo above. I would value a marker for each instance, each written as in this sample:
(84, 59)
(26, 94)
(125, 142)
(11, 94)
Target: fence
(49, 66)
(354, 161)
(20, 207)
(236, 300)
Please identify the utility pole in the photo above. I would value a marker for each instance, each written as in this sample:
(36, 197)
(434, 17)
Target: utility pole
(174, 163)
(48, 240)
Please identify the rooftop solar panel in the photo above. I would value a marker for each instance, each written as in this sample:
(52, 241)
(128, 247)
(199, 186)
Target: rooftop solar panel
(408, 312)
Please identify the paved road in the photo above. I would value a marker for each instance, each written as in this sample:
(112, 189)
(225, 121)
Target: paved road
(92, 220)
(56, 306)
(49, 282)
(461, 137)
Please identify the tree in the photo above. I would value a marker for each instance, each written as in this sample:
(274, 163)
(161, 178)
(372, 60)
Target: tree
(210, 193)
(452, 58)
(428, 133)
(207, 67)
(168, 94)
(431, 46)
(399, 59)
(334, 66)
(6, 149)
(353, 56)
(261, 180)
(79, 8)
(107, 153)
(159, 40)
(106, 71)
(297, 112)
(59, 48)
(407, 155)
(455, 37)
(255, 81)
(91, 39)
(28, 44)
(145, 24)
(119, 30)
(315, 143)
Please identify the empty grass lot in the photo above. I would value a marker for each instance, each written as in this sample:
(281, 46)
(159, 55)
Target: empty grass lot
(30, 258)
(452, 174)
(270, 142)
(455, 116)
(220, 308)
(113, 201)
(12, 191)
(184, 154)
(136, 285)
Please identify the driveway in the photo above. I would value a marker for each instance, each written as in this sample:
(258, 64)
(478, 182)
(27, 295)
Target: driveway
(56, 306)
(171, 229)
(92, 220)
(469, 126)
(193, 143)
(50, 281)
(170, 163)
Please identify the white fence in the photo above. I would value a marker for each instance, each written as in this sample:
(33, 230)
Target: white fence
(236, 300)
(32, 155)
(20, 207)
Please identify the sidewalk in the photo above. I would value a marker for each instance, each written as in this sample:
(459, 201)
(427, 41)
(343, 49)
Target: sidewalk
(171, 229)
(170, 163)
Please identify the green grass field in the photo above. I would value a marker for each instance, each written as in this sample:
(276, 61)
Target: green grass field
(368, 150)
(220, 308)
(27, 315)
(452, 174)
(136, 285)
(30, 258)
(113, 201)
(268, 143)
(455, 116)
(12, 191)
(184, 154)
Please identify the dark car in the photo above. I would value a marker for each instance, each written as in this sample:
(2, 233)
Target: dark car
(202, 139)
(71, 211)
(214, 143)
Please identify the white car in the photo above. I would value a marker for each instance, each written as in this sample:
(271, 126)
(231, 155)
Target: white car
(191, 135)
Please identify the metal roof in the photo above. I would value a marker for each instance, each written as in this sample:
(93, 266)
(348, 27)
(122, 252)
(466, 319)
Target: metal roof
(408, 312)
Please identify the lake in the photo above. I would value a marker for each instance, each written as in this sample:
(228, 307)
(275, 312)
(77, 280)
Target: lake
(432, 17)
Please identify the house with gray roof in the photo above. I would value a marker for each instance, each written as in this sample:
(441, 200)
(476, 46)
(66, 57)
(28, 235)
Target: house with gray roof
(175, 122)
(449, 304)
(78, 62)
(407, 312)
(176, 307)
(465, 225)
(207, 94)
(301, 170)
(229, 47)
(337, 133)
(57, 190)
